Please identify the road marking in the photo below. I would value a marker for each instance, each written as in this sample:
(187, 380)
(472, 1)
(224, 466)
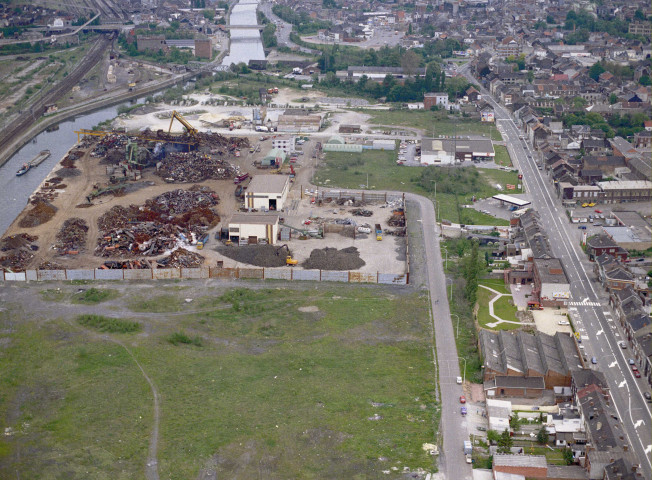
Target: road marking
(639, 423)
(600, 332)
(622, 384)
(585, 304)
(648, 450)
(613, 364)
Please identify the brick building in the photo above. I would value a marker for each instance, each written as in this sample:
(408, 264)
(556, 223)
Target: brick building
(530, 466)
(551, 285)
(601, 244)
(152, 43)
(203, 48)
(435, 99)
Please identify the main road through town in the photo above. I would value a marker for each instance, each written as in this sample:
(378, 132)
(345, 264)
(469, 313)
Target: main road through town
(588, 306)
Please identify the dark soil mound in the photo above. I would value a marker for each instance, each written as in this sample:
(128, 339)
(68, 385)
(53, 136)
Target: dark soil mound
(41, 213)
(258, 255)
(333, 259)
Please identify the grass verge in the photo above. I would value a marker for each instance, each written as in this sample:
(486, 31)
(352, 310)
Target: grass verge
(108, 325)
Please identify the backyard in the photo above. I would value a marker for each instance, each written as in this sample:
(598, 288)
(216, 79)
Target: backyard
(301, 383)
(502, 307)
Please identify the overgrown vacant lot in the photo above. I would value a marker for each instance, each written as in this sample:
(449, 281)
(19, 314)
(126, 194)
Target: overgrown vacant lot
(272, 383)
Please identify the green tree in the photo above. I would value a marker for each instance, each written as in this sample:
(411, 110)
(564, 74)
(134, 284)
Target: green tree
(596, 70)
(505, 442)
(542, 435)
(645, 80)
(550, 19)
(613, 98)
(209, 14)
(568, 456)
(530, 76)
(471, 273)
(493, 436)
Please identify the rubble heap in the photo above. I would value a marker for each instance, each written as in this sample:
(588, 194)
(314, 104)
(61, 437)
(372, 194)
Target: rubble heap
(40, 213)
(71, 239)
(333, 259)
(258, 255)
(194, 167)
(159, 226)
(181, 258)
(17, 251)
(396, 221)
(361, 212)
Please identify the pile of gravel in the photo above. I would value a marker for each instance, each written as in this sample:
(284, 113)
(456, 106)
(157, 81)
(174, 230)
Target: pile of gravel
(333, 259)
(258, 255)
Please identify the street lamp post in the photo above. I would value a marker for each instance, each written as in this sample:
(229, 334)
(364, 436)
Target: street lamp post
(446, 252)
(464, 377)
(451, 289)
(457, 330)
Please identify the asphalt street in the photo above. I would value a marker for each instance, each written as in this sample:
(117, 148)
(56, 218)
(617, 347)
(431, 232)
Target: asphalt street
(589, 309)
(453, 428)
(283, 29)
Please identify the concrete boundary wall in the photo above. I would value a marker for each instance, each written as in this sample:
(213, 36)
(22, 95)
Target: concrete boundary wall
(280, 273)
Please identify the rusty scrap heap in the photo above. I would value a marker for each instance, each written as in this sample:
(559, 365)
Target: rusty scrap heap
(162, 224)
(71, 239)
(17, 251)
(194, 167)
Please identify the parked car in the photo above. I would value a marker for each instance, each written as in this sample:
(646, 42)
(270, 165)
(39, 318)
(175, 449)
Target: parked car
(463, 410)
(622, 344)
(462, 399)
(637, 374)
(484, 429)
(459, 380)
(631, 361)
(563, 322)
(594, 360)
(597, 211)
(582, 227)
(647, 396)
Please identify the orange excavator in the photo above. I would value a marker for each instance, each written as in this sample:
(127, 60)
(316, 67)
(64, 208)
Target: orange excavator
(192, 131)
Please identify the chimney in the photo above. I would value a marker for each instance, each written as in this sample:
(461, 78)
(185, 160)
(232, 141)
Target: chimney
(625, 448)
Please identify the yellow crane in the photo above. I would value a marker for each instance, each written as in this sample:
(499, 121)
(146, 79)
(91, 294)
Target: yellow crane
(192, 131)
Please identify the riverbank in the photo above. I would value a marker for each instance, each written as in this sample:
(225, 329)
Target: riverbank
(84, 108)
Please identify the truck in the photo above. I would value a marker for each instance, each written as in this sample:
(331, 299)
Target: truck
(379, 232)
(202, 241)
(262, 128)
(468, 448)
(240, 178)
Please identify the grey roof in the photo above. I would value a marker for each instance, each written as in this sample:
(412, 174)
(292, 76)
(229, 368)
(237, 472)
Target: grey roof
(584, 377)
(570, 472)
(601, 420)
(520, 351)
(621, 469)
(550, 270)
(388, 70)
(460, 145)
(600, 241)
(504, 381)
(254, 218)
(268, 184)
(639, 321)
(532, 461)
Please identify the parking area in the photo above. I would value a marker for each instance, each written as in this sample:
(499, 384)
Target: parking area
(551, 321)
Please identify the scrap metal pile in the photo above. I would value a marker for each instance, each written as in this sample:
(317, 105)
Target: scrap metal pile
(17, 251)
(114, 142)
(194, 167)
(40, 213)
(71, 239)
(161, 225)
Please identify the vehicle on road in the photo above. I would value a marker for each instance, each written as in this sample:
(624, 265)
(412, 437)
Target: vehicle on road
(582, 227)
(463, 410)
(459, 380)
(631, 361)
(622, 344)
(637, 374)
(584, 205)
(481, 428)
(594, 360)
(597, 211)
(647, 396)
(563, 322)
(462, 399)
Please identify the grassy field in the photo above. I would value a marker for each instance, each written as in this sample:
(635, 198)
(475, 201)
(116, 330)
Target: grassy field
(502, 156)
(273, 383)
(379, 168)
(433, 123)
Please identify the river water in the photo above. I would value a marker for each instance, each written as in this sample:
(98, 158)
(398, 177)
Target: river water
(15, 191)
(246, 44)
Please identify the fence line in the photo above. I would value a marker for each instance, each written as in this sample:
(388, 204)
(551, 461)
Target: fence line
(281, 273)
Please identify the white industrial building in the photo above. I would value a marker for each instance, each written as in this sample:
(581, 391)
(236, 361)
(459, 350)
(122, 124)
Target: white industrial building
(253, 228)
(267, 192)
(383, 144)
(447, 151)
(284, 143)
(498, 413)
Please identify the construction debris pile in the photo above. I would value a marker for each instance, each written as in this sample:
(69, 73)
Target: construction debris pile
(40, 213)
(17, 251)
(181, 258)
(50, 266)
(126, 265)
(109, 144)
(194, 167)
(161, 225)
(333, 259)
(258, 255)
(396, 220)
(72, 157)
(71, 239)
(361, 212)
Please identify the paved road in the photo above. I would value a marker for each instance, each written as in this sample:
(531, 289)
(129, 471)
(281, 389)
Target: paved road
(283, 29)
(453, 427)
(594, 320)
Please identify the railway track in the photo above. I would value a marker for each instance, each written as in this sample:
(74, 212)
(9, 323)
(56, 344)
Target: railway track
(36, 110)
